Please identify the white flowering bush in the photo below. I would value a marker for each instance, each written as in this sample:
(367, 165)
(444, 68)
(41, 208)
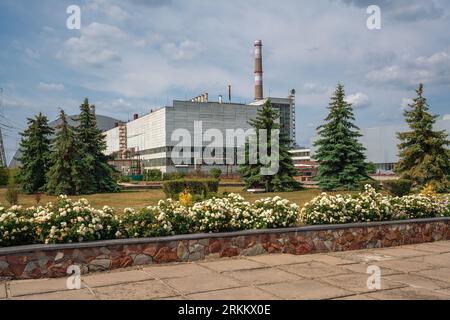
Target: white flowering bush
(63, 222)
(371, 206)
(15, 229)
(167, 218)
(422, 206)
(274, 213)
(234, 213)
(72, 221)
(212, 215)
(242, 213)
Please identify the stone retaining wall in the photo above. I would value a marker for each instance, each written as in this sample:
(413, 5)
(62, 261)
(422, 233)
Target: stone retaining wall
(38, 261)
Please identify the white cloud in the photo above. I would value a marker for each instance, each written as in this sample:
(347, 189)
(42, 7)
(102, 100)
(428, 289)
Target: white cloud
(404, 10)
(96, 46)
(314, 88)
(51, 86)
(358, 100)
(446, 117)
(409, 72)
(185, 50)
(108, 8)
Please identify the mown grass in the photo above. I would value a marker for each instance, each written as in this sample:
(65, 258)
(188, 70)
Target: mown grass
(143, 198)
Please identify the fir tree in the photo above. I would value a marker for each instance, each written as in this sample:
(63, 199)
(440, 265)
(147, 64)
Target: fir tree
(283, 180)
(35, 155)
(339, 154)
(97, 175)
(64, 176)
(424, 156)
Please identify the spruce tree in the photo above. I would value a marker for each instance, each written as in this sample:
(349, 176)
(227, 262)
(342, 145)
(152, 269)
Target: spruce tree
(283, 180)
(97, 175)
(424, 154)
(339, 154)
(35, 155)
(64, 177)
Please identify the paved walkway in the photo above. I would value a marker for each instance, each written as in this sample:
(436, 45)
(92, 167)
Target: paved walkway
(410, 272)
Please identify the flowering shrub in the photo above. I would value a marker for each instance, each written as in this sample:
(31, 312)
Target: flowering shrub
(274, 213)
(371, 206)
(212, 215)
(15, 229)
(143, 223)
(185, 198)
(429, 190)
(422, 206)
(167, 218)
(65, 221)
(234, 213)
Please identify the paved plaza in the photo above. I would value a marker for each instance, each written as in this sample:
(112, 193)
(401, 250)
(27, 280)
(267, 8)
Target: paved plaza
(409, 272)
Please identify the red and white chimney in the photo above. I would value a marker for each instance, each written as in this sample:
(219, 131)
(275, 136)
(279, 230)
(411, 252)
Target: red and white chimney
(258, 71)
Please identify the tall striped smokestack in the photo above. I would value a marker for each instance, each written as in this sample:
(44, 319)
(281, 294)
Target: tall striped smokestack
(258, 71)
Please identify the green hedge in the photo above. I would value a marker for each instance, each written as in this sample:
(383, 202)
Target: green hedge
(173, 176)
(215, 173)
(153, 175)
(398, 188)
(202, 187)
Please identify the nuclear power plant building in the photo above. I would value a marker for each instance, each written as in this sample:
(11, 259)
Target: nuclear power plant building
(147, 142)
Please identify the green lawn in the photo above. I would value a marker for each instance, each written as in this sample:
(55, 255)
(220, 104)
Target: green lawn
(139, 199)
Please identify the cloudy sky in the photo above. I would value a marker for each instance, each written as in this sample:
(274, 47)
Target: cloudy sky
(132, 56)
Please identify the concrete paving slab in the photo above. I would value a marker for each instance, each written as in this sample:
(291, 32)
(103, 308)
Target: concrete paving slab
(417, 281)
(198, 283)
(357, 282)
(409, 293)
(176, 270)
(245, 293)
(232, 265)
(82, 294)
(433, 247)
(362, 256)
(281, 259)
(304, 290)
(261, 276)
(405, 265)
(2, 290)
(173, 298)
(27, 287)
(401, 252)
(442, 274)
(362, 268)
(332, 260)
(113, 278)
(357, 297)
(144, 290)
(444, 291)
(437, 260)
(314, 269)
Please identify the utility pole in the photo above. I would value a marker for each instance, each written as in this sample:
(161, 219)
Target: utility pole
(2, 146)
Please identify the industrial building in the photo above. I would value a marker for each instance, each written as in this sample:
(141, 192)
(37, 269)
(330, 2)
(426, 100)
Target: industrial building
(149, 139)
(306, 167)
(381, 144)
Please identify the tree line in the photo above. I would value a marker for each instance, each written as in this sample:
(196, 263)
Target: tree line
(423, 152)
(69, 160)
